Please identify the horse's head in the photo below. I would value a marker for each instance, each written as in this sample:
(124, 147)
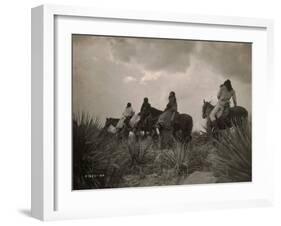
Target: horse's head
(206, 109)
(108, 122)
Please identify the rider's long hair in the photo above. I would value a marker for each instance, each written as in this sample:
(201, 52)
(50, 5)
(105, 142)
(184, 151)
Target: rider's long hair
(228, 85)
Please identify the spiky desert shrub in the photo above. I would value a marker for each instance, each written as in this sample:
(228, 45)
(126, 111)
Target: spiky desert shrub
(138, 150)
(96, 162)
(234, 154)
(178, 157)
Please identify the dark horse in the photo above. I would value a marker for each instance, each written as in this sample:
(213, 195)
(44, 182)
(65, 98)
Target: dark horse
(181, 128)
(231, 116)
(147, 122)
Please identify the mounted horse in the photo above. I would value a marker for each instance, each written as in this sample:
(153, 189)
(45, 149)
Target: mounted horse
(111, 122)
(231, 116)
(181, 128)
(110, 127)
(147, 122)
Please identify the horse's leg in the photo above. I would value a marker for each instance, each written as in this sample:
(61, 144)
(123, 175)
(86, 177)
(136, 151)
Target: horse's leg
(210, 126)
(213, 128)
(186, 137)
(160, 137)
(174, 133)
(155, 136)
(125, 133)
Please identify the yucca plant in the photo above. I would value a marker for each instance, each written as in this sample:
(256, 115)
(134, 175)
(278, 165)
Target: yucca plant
(234, 150)
(95, 162)
(178, 157)
(138, 150)
(85, 129)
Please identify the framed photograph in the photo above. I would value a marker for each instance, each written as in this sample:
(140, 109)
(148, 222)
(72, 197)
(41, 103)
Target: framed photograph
(137, 112)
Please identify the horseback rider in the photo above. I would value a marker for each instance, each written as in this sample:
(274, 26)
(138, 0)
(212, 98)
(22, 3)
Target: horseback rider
(172, 105)
(168, 116)
(145, 108)
(226, 92)
(126, 116)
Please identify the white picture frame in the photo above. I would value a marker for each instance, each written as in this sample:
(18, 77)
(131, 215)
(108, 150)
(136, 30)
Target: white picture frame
(52, 197)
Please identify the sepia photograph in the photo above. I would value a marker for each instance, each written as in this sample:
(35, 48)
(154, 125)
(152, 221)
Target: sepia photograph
(160, 112)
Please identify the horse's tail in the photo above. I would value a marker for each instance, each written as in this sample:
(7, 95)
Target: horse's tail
(238, 113)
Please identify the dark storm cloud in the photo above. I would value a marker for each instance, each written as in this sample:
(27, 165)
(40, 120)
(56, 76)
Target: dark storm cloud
(154, 54)
(231, 60)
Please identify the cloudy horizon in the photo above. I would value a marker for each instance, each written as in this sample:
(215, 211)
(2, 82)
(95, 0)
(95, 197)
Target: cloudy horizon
(108, 72)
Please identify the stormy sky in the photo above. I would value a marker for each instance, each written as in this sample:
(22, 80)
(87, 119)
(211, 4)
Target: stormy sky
(108, 72)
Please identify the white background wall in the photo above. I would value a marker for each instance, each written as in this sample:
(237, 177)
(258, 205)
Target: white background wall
(15, 111)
